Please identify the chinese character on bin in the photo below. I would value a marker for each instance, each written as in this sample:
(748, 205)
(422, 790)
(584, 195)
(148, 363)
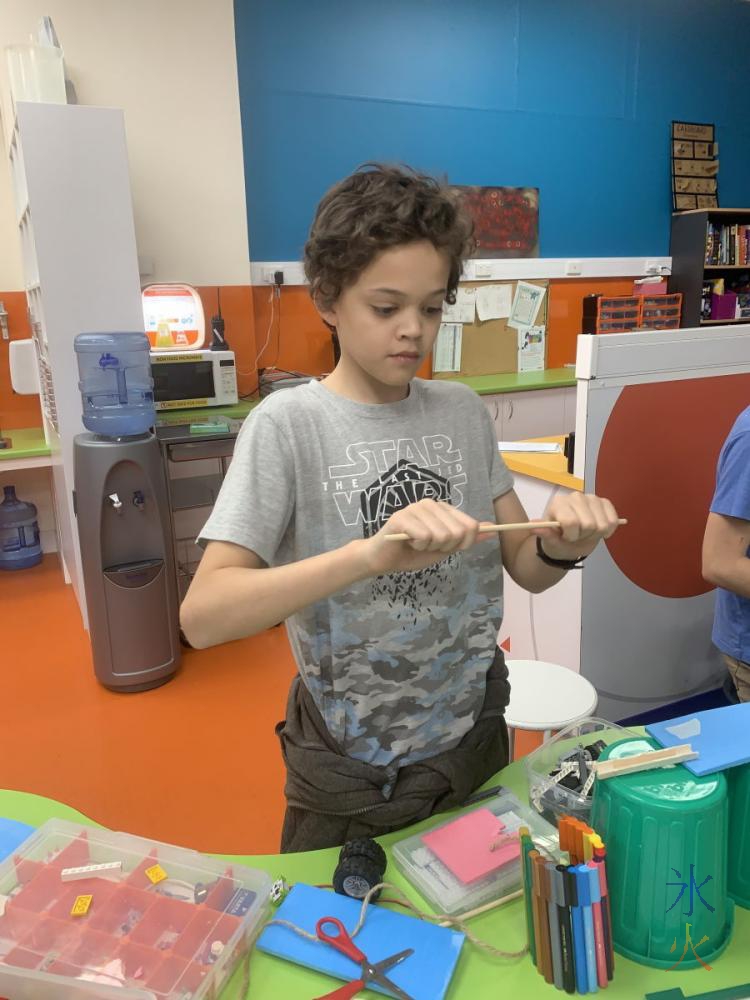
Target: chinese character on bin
(693, 887)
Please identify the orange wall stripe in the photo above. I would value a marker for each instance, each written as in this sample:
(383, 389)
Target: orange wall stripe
(15, 410)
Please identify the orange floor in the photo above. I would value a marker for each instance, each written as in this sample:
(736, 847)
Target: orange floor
(195, 762)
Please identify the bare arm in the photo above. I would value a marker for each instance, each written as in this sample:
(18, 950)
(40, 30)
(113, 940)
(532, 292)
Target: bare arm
(725, 560)
(234, 594)
(584, 520)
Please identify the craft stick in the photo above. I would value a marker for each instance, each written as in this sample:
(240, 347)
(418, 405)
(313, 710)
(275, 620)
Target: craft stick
(487, 526)
(645, 761)
(483, 909)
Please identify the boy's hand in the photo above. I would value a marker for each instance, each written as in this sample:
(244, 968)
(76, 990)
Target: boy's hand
(436, 530)
(584, 520)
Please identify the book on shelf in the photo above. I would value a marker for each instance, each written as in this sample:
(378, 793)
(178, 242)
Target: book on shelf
(727, 244)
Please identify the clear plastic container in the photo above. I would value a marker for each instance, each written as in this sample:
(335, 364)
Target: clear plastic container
(549, 796)
(19, 533)
(115, 383)
(439, 885)
(36, 73)
(166, 932)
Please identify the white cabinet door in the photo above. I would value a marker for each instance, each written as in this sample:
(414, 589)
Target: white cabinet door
(495, 406)
(535, 413)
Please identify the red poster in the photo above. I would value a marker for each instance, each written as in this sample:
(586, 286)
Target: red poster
(506, 220)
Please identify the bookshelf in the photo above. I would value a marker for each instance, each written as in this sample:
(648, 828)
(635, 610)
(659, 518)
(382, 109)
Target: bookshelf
(690, 271)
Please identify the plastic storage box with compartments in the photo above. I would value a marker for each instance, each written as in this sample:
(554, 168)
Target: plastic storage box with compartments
(160, 922)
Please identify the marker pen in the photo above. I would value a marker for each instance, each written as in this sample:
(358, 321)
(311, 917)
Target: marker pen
(548, 884)
(579, 937)
(583, 884)
(566, 929)
(596, 906)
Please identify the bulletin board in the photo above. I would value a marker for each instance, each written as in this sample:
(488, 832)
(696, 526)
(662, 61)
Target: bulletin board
(491, 347)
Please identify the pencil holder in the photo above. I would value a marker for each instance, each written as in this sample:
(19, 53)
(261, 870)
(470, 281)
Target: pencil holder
(666, 832)
(738, 779)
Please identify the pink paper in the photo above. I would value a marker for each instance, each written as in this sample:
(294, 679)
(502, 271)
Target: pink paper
(464, 845)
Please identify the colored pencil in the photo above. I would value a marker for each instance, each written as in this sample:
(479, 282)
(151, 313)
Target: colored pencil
(545, 952)
(527, 845)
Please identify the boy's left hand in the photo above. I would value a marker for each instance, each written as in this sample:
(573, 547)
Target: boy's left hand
(584, 520)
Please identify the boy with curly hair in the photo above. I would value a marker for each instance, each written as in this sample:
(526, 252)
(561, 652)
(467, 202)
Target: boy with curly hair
(397, 710)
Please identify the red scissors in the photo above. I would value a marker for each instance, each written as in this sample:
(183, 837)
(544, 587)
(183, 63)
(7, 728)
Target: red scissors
(369, 973)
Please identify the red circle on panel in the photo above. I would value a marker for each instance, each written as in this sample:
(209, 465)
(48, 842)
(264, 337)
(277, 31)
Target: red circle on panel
(657, 464)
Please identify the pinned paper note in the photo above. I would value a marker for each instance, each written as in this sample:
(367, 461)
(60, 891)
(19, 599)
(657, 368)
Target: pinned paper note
(493, 301)
(464, 308)
(469, 846)
(526, 304)
(531, 349)
(446, 352)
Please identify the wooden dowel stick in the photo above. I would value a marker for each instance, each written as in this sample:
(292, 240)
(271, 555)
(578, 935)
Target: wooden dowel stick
(483, 909)
(644, 761)
(486, 527)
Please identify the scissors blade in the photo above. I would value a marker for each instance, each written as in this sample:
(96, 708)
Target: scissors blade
(386, 984)
(387, 963)
(376, 974)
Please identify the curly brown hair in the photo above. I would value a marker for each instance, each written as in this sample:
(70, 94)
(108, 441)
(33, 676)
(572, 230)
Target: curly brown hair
(375, 208)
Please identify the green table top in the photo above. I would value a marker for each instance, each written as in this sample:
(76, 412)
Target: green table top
(478, 975)
(238, 411)
(550, 378)
(26, 442)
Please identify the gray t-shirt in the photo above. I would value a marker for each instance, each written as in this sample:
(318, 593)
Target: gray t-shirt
(397, 664)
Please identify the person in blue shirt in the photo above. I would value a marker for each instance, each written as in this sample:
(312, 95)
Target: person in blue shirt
(726, 554)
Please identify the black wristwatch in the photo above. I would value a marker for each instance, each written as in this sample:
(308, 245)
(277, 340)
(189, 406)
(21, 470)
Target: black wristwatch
(557, 563)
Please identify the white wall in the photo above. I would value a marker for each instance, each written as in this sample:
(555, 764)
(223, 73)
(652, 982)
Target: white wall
(171, 65)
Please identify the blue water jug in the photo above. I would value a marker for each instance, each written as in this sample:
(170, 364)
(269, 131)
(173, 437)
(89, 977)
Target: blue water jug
(19, 533)
(115, 383)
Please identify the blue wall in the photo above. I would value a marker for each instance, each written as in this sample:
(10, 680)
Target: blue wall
(573, 97)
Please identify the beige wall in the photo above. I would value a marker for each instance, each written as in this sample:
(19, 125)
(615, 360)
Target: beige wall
(171, 65)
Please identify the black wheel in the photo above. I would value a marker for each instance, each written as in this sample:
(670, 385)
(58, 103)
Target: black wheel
(355, 876)
(364, 847)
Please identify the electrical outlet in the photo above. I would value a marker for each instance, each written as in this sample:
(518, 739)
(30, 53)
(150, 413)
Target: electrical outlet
(573, 266)
(269, 275)
(482, 270)
(652, 267)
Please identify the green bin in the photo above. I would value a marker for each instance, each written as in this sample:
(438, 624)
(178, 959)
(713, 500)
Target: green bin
(656, 824)
(738, 779)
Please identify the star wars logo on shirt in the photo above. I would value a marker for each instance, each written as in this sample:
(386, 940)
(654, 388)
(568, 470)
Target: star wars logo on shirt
(406, 470)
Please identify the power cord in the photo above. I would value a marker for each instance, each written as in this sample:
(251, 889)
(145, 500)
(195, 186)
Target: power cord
(275, 294)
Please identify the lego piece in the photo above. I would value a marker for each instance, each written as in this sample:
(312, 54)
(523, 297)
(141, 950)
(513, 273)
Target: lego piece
(91, 871)
(81, 906)
(155, 874)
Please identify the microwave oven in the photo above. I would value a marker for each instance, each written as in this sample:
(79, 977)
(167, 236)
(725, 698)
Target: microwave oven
(190, 379)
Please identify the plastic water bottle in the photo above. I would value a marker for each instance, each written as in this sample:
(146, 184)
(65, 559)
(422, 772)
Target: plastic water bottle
(115, 383)
(19, 533)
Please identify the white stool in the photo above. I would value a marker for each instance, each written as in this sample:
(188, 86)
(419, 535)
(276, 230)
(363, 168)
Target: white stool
(546, 696)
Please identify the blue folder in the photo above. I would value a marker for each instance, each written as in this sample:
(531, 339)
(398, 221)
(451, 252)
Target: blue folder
(721, 736)
(425, 975)
(12, 833)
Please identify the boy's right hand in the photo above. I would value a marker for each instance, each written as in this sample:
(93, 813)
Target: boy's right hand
(436, 530)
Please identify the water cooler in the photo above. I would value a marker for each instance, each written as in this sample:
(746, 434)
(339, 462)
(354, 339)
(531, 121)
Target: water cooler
(123, 517)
